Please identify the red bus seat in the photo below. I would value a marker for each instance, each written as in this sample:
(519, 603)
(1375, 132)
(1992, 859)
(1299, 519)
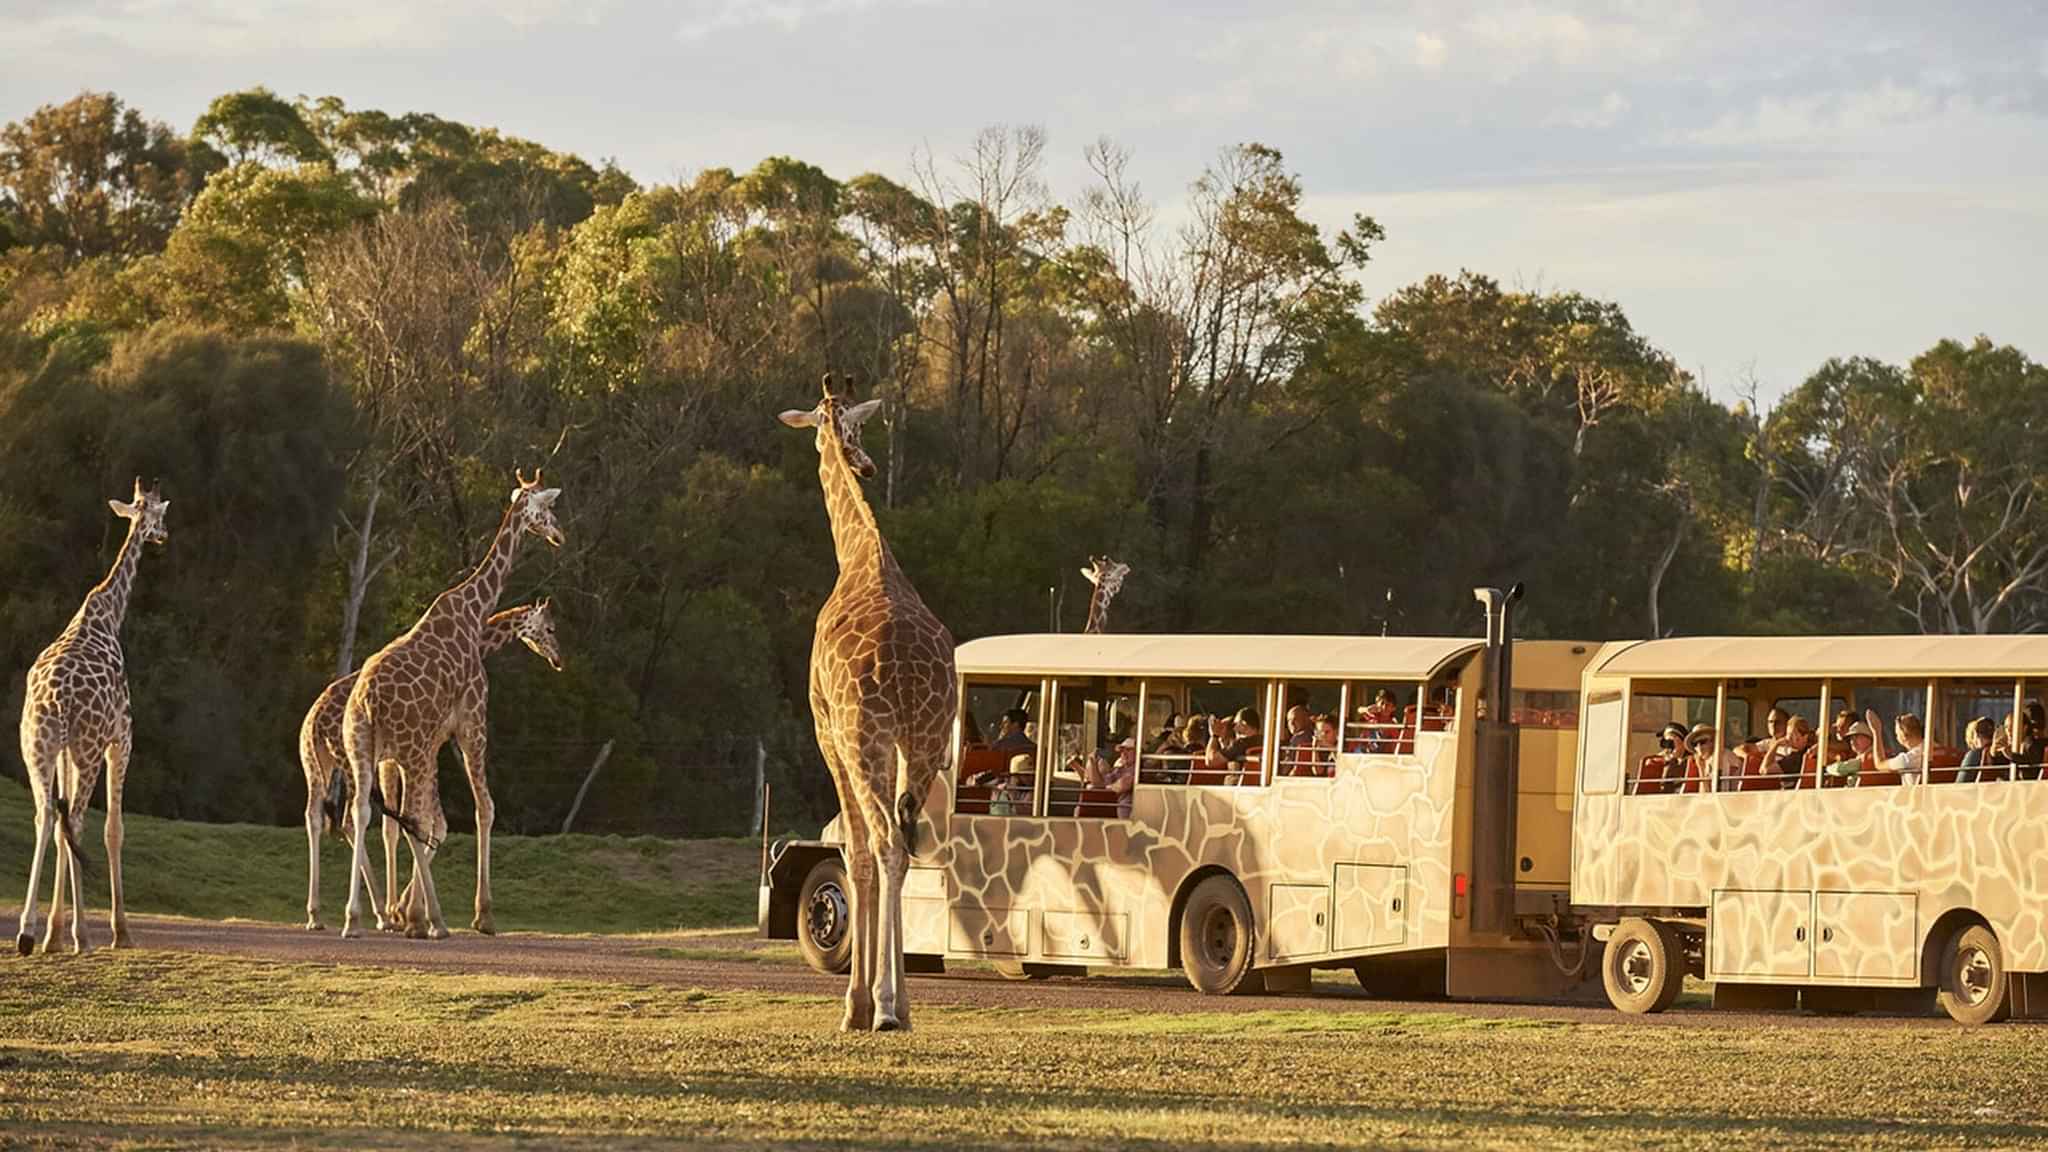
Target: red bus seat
(1097, 802)
(1942, 763)
(1650, 775)
(1753, 769)
(971, 800)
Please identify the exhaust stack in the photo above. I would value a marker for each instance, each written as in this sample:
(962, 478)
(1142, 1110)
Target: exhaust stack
(1495, 783)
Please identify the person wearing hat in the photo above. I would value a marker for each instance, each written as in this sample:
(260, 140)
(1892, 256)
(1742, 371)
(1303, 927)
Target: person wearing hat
(1861, 740)
(1660, 770)
(1706, 763)
(1118, 775)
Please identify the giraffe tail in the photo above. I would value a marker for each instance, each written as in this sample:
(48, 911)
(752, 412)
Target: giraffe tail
(334, 805)
(79, 859)
(379, 808)
(907, 805)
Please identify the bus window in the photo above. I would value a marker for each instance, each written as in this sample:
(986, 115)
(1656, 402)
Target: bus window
(1382, 718)
(998, 756)
(1543, 708)
(1655, 767)
(1604, 742)
(1235, 754)
(1312, 708)
(1888, 701)
(1167, 756)
(1094, 754)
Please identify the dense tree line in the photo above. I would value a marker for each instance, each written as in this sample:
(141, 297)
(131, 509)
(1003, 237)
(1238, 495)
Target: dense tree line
(334, 332)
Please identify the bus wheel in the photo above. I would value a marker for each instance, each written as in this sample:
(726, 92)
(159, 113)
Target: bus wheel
(1973, 983)
(1216, 938)
(1641, 967)
(824, 921)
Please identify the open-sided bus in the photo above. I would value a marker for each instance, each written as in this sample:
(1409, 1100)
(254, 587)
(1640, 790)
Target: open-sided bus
(1420, 847)
(1446, 850)
(1842, 890)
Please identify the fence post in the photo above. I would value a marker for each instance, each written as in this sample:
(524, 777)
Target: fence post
(603, 754)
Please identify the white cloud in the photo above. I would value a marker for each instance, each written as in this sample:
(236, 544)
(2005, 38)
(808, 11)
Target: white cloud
(707, 19)
(1604, 114)
(1430, 52)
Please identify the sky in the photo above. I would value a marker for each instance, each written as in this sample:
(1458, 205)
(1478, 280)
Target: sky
(1760, 185)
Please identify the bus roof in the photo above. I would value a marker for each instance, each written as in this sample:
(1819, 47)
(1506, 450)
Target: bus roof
(1100, 654)
(1811, 657)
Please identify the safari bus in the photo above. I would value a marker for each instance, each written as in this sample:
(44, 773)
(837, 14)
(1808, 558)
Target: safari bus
(1637, 812)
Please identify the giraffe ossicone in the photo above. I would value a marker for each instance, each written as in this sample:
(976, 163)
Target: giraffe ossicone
(74, 720)
(883, 697)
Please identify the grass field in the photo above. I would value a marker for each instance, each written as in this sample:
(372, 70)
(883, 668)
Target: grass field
(540, 883)
(157, 1049)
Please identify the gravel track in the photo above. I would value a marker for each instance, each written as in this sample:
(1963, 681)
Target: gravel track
(691, 960)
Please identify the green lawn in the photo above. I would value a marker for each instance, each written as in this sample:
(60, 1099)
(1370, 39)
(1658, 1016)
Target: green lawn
(156, 1050)
(538, 883)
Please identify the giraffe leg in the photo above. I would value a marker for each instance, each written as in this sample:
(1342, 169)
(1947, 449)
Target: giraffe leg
(117, 780)
(42, 771)
(863, 899)
(361, 769)
(423, 809)
(77, 874)
(315, 822)
(394, 915)
(58, 876)
(892, 1011)
(860, 1004)
(473, 744)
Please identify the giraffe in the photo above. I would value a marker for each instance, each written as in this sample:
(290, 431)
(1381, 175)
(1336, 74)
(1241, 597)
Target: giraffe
(74, 718)
(322, 756)
(883, 699)
(414, 694)
(1108, 577)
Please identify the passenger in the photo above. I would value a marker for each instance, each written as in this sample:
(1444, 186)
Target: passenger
(1298, 746)
(1785, 750)
(2028, 750)
(1860, 742)
(1170, 730)
(1117, 775)
(1012, 794)
(1378, 723)
(1235, 746)
(1704, 764)
(1912, 758)
(1980, 734)
(1324, 762)
(1012, 736)
(1789, 760)
(1660, 770)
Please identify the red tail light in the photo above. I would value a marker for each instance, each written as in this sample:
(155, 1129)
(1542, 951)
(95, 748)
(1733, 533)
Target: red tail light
(1459, 884)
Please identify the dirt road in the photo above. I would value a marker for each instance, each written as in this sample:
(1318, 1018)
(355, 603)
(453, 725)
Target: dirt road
(730, 960)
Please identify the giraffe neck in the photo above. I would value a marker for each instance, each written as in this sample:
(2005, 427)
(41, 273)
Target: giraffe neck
(106, 606)
(477, 595)
(855, 539)
(500, 629)
(1098, 611)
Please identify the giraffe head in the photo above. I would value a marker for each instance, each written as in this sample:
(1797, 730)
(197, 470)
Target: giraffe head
(537, 508)
(1106, 574)
(147, 511)
(535, 627)
(836, 419)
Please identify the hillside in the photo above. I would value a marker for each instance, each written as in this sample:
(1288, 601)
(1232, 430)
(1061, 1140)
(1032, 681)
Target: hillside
(539, 883)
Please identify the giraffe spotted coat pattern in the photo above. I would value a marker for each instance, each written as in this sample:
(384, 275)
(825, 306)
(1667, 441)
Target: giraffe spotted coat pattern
(74, 719)
(326, 762)
(1107, 576)
(421, 689)
(883, 698)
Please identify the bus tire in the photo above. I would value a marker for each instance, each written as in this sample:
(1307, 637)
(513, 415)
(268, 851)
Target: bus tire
(1973, 988)
(824, 922)
(1217, 939)
(1642, 967)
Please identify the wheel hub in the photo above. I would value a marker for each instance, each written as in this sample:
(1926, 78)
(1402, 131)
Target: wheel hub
(1974, 975)
(826, 917)
(1219, 937)
(1634, 965)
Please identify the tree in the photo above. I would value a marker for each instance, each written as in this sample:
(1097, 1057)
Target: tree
(91, 177)
(258, 127)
